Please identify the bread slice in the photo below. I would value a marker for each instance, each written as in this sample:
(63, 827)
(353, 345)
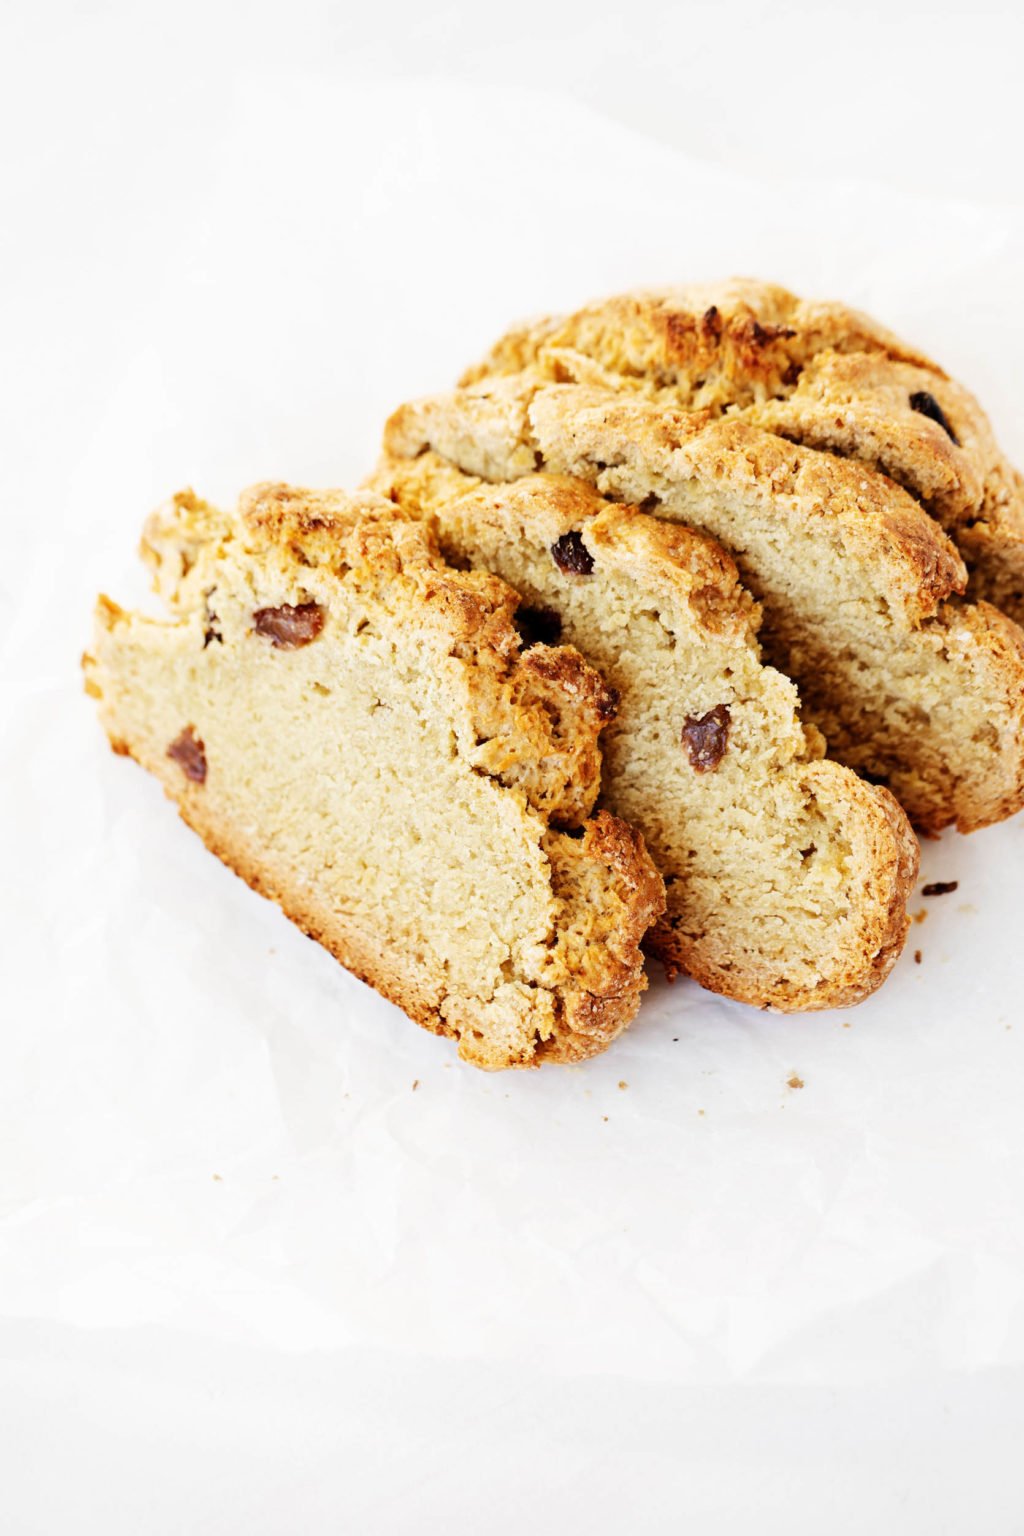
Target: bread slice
(356, 730)
(820, 374)
(787, 876)
(912, 687)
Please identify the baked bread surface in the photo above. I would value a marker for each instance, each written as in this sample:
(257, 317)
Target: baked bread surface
(913, 686)
(787, 876)
(818, 373)
(356, 729)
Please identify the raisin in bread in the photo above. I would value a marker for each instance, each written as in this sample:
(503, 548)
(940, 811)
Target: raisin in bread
(912, 686)
(787, 876)
(356, 729)
(820, 374)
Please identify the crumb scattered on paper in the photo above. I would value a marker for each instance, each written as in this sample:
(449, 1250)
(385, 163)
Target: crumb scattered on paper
(919, 917)
(794, 1081)
(939, 887)
(917, 957)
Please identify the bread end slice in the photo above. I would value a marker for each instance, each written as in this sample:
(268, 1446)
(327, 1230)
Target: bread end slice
(356, 729)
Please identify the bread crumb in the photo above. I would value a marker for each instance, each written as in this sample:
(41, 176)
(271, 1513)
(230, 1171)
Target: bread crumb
(794, 1081)
(623, 1085)
(217, 1179)
(415, 1085)
(700, 1111)
(604, 1117)
(939, 887)
(918, 917)
(917, 957)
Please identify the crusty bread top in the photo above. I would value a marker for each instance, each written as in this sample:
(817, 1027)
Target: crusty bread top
(821, 374)
(718, 344)
(505, 427)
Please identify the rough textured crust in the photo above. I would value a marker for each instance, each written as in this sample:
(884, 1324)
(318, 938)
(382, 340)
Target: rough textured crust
(598, 1007)
(819, 373)
(916, 565)
(509, 427)
(859, 583)
(720, 343)
(513, 733)
(663, 613)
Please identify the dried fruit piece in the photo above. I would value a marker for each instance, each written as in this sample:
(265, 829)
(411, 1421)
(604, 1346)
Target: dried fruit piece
(188, 751)
(926, 405)
(288, 627)
(571, 554)
(538, 626)
(706, 737)
(939, 888)
(608, 703)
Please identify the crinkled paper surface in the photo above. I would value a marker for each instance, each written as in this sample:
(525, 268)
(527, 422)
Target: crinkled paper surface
(271, 1259)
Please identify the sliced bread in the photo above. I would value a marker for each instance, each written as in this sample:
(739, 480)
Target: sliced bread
(787, 876)
(912, 686)
(820, 374)
(356, 729)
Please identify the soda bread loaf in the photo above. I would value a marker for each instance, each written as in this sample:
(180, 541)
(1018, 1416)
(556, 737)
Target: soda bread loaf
(356, 729)
(787, 876)
(912, 686)
(820, 374)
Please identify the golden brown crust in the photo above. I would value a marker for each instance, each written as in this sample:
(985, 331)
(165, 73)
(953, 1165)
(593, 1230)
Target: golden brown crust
(818, 373)
(819, 537)
(527, 720)
(592, 1014)
(494, 430)
(722, 343)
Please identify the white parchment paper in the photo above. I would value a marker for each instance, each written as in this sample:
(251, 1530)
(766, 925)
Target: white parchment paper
(271, 1259)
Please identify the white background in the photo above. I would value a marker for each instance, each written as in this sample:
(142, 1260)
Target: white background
(251, 1279)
